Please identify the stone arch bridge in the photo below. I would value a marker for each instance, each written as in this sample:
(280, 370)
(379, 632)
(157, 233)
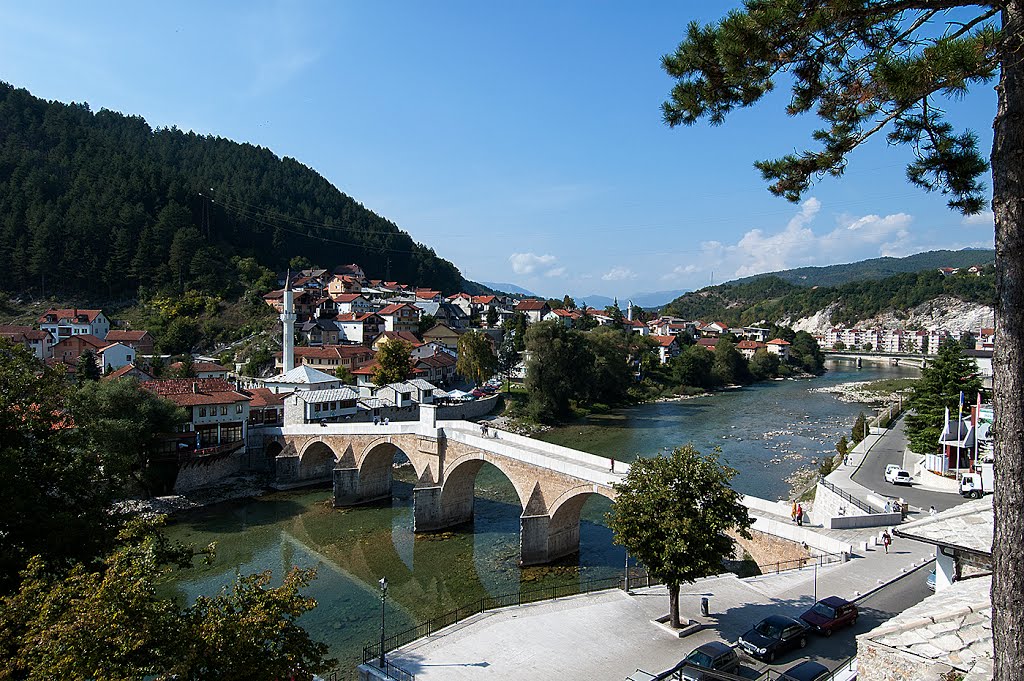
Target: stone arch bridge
(552, 482)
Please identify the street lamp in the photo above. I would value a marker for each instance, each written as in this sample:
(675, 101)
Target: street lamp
(383, 597)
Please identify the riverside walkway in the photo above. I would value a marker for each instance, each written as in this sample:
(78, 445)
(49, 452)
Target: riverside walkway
(608, 635)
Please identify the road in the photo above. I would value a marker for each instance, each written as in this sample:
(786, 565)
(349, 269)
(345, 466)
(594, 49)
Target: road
(889, 449)
(842, 645)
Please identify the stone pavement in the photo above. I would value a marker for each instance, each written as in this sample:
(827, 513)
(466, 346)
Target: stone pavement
(608, 635)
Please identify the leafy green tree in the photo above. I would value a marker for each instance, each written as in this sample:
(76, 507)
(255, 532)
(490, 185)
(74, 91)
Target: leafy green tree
(110, 623)
(839, 345)
(843, 447)
(184, 367)
(939, 388)
(508, 356)
(127, 422)
(492, 317)
(728, 366)
(181, 336)
(692, 367)
(568, 303)
(346, 376)
(611, 376)
(672, 513)
(57, 497)
(764, 365)
(394, 363)
(516, 324)
(555, 373)
(426, 323)
(88, 368)
(860, 428)
(805, 353)
(865, 67)
(476, 360)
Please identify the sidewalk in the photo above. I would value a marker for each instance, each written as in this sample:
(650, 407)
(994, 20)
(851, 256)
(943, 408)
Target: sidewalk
(606, 636)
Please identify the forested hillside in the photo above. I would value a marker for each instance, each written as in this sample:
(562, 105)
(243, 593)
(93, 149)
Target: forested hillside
(771, 299)
(878, 268)
(93, 205)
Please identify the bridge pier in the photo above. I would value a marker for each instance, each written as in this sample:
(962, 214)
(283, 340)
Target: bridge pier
(350, 490)
(431, 515)
(541, 541)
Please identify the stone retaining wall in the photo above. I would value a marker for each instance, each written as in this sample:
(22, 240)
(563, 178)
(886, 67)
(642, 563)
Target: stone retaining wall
(206, 472)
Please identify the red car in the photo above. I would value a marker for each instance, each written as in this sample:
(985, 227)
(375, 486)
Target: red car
(829, 614)
(477, 393)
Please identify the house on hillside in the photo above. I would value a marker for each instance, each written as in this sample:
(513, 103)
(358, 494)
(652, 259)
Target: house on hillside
(438, 368)
(352, 270)
(328, 358)
(37, 341)
(142, 341)
(323, 406)
(400, 317)
(319, 332)
(359, 327)
(70, 348)
(404, 336)
(113, 356)
(535, 310)
(747, 348)
(352, 302)
(445, 313)
(463, 301)
(266, 408)
(63, 323)
(343, 284)
(668, 347)
(445, 335)
(203, 369)
(218, 413)
(129, 371)
(779, 347)
(713, 329)
(986, 339)
(302, 377)
(566, 318)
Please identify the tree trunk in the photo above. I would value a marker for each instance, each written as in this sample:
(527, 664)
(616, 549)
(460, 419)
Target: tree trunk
(1008, 359)
(673, 605)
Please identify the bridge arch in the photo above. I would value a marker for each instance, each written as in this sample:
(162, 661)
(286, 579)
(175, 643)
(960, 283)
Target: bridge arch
(316, 461)
(460, 478)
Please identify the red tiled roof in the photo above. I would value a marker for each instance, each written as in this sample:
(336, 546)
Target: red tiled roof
(427, 294)
(356, 317)
(395, 307)
(749, 345)
(437, 360)
(22, 333)
(86, 338)
(708, 343)
(529, 305)
(346, 297)
(187, 392)
(665, 341)
(986, 331)
(69, 313)
(201, 366)
(778, 341)
(483, 300)
(265, 397)
(125, 371)
(124, 336)
(407, 336)
(331, 351)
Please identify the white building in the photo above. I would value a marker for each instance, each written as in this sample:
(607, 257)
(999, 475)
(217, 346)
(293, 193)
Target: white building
(302, 377)
(64, 323)
(115, 356)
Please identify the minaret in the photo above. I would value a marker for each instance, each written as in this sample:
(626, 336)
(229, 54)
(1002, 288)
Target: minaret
(629, 310)
(288, 322)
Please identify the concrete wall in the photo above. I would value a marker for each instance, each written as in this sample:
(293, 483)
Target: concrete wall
(207, 472)
(828, 505)
(873, 520)
(468, 410)
(787, 530)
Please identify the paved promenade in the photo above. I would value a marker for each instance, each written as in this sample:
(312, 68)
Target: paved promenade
(607, 636)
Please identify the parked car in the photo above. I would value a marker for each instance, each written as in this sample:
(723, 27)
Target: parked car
(829, 614)
(930, 582)
(898, 476)
(477, 393)
(773, 636)
(892, 468)
(808, 670)
(489, 389)
(714, 656)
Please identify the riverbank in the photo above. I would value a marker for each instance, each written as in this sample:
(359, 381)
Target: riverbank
(243, 486)
(869, 392)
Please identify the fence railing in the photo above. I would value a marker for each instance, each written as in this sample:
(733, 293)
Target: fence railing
(390, 669)
(797, 563)
(846, 496)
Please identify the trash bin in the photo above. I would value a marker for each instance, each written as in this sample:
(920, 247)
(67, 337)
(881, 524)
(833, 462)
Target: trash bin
(704, 607)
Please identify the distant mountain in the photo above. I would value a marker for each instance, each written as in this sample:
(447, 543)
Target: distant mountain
(509, 288)
(877, 268)
(644, 299)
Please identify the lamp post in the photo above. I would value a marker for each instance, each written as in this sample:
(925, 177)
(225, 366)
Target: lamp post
(383, 597)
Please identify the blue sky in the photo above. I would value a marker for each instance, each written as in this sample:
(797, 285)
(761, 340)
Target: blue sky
(522, 141)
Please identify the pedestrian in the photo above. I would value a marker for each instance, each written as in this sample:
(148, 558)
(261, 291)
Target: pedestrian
(792, 514)
(886, 540)
(799, 515)
(376, 420)
(483, 430)
(387, 421)
(932, 511)
(888, 507)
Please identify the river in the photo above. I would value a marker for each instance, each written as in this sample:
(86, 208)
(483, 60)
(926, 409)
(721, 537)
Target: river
(765, 431)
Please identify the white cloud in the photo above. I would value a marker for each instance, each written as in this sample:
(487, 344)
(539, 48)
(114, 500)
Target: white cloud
(797, 245)
(618, 273)
(556, 272)
(984, 219)
(528, 263)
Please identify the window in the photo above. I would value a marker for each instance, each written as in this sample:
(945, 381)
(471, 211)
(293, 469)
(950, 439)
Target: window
(202, 411)
(224, 410)
(316, 407)
(238, 408)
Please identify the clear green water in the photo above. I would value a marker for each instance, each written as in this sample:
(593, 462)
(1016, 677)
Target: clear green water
(766, 431)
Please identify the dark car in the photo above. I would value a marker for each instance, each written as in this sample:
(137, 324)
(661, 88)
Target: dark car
(714, 656)
(829, 614)
(807, 670)
(773, 636)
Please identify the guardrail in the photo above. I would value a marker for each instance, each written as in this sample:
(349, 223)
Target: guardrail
(846, 496)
